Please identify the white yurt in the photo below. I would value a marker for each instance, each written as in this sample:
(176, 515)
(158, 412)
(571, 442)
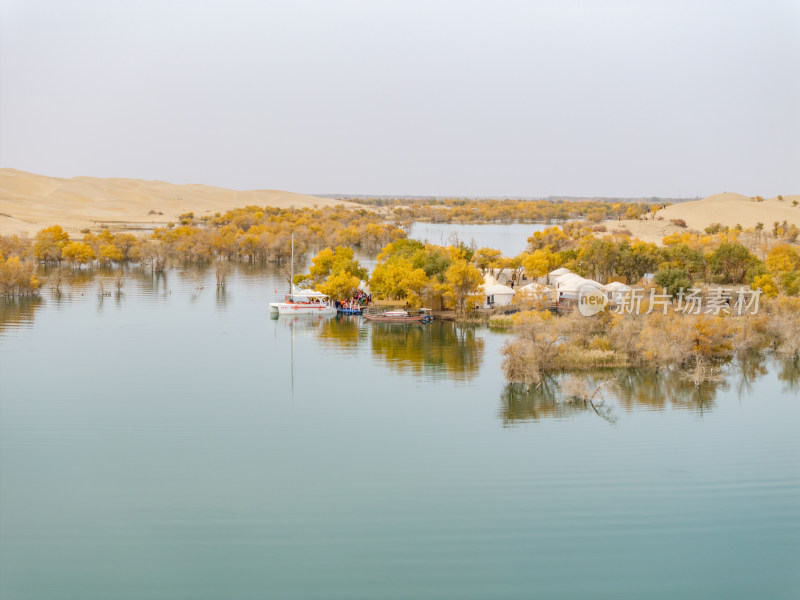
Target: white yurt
(553, 275)
(497, 295)
(538, 291)
(565, 279)
(570, 289)
(594, 283)
(559, 279)
(616, 291)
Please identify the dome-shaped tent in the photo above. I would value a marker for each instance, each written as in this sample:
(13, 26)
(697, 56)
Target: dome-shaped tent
(552, 276)
(570, 289)
(497, 295)
(616, 291)
(537, 291)
(594, 283)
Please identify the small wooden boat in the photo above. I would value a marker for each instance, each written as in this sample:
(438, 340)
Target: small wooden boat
(401, 316)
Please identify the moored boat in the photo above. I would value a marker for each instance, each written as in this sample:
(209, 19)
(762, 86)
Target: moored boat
(401, 316)
(306, 302)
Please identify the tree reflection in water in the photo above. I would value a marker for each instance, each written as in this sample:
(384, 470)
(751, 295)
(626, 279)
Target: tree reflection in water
(438, 348)
(343, 331)
(637, 389)
(747, 370)
(18, 312)
(657, 390)
(789, 374)
(522, 403)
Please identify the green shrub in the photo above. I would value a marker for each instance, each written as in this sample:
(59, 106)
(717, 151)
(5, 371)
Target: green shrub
(673, 280)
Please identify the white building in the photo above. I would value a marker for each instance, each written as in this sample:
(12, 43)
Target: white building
(497, 295)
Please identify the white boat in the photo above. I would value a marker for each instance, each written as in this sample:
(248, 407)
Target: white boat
(303, 302)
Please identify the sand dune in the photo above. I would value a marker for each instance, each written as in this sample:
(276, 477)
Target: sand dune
(29, 202)
(727, 209)
(734, 209)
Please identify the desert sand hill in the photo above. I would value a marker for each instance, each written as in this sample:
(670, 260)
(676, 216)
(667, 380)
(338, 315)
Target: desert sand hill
(29, 202)
(733, 209)
(727, 209)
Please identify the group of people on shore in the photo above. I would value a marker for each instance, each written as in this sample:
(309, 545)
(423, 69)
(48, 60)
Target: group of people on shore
(360, 300)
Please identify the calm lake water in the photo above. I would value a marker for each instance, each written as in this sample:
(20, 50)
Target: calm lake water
(175, 442)
(511, 240)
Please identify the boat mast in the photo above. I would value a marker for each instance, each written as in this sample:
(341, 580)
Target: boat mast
(291, 280)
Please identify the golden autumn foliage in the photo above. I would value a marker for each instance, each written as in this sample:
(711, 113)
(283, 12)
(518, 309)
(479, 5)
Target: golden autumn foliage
(552, 239)
(399, 280)
(766, 284)
(488, 259)
(78, 253)
(340, 285)
(463, 281)
(17, 277)
(49, 243)
(783, 271)
(415, 272)
(14, 245)
(783, 258)
(463, 210)
(540, 262)
(336, 273)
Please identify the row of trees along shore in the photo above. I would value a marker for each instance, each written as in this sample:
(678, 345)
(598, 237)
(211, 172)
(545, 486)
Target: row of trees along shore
(410, 271)
(461, 210)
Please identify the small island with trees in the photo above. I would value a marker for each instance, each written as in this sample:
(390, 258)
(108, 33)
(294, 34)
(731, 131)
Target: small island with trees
(546, 334)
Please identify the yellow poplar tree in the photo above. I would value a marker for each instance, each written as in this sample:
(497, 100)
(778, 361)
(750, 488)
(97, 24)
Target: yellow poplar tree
(109, 252)
(397, 279)
(413, 283)
(487, 259)
(328, 262)
(49, 243)
(766, 284)
(340, 286)
(540, 262)
(17, 278)
(78, 253)
(463, 281)
(783, 258)
(385, 280)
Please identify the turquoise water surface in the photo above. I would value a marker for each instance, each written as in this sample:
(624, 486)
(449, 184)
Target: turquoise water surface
(176, 442)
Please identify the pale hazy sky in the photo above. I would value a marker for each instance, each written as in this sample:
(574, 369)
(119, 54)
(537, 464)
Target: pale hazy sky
(494, 98)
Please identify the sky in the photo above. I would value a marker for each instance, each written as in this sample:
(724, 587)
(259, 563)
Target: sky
(495, 98)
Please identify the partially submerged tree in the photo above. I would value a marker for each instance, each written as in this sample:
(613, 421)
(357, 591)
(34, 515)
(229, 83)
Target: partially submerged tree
(78, 253)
